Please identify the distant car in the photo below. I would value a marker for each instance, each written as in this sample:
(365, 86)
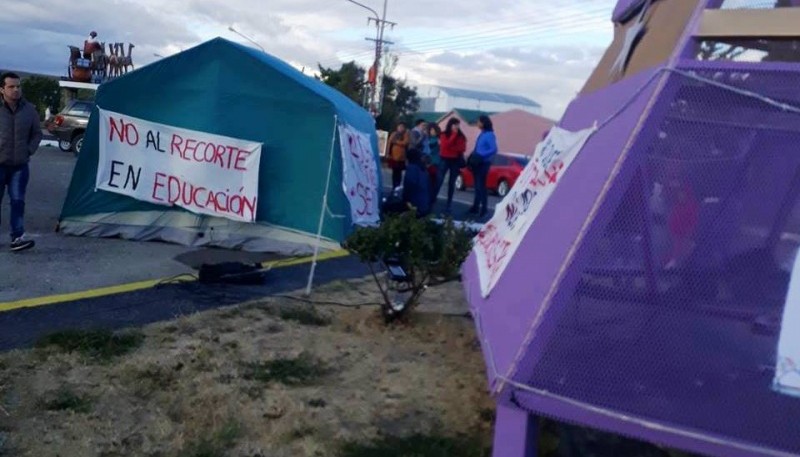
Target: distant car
(503, 173)
(69, 125)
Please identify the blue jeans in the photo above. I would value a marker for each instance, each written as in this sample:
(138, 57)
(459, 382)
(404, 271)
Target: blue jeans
(481, 173)
(16, 179)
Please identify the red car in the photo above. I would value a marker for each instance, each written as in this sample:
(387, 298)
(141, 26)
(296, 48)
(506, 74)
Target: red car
(503, 173)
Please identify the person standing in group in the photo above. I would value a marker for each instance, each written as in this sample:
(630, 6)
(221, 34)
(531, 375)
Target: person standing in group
(481, 161)
(398, 147)
(453, 145)
(416, 184)
(435, 160)
(419, 139)
(20, 135)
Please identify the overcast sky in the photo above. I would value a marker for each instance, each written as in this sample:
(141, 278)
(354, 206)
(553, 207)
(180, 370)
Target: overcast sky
(542, 49)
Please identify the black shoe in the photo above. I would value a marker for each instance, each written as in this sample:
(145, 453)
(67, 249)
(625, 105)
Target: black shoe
(21, 244)
(473, 210)
(483, 214)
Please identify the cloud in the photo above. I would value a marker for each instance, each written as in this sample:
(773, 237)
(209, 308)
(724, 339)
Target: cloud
(540, 49)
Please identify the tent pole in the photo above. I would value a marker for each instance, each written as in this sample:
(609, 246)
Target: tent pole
(324, 208)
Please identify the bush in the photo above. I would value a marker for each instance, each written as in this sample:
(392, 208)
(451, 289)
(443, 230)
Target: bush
(429, 253)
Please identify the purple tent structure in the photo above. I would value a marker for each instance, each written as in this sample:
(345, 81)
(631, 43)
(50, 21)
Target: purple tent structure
(646, 297)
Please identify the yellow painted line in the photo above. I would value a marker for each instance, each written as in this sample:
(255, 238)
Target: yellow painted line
(302, 260)
(149, 284)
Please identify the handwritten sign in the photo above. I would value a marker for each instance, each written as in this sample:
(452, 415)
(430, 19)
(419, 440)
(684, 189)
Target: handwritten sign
(787, 372)
(360, 178)
(499, 239)
(203, 173)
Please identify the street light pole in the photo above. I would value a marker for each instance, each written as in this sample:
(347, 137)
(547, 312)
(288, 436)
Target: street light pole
(247, 38)
(376, 98)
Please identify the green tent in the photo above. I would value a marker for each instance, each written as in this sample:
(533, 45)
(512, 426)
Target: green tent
(223, 88)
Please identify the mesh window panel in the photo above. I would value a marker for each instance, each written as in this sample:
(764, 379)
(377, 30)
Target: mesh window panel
(677, 313)
(749, 4)
(749, 49)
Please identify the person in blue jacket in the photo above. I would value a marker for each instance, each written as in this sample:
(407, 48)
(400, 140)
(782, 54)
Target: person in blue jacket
(485, 149)
(416, 184)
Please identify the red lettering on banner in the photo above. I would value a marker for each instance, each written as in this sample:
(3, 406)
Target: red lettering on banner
(188, 195)
(191, 145)
(553, 170)
(366, 198)
(550, 176)
(126, 132)
(367, 184)
(208, 151)
(241, 156)
(175, 144)
(212, 199)
(173, 189)
(231, 151)
(156, 185)
(224, 156)
(495, 248)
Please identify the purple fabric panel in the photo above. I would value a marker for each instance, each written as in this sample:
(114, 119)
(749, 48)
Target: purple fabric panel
(600, 158)
(633, 427)
(622, 8)
(515, 433)
(506, 316)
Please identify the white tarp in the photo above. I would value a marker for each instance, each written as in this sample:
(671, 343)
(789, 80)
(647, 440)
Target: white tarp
(787, 372)
(360, 175)
(499, 239)
(201, 172)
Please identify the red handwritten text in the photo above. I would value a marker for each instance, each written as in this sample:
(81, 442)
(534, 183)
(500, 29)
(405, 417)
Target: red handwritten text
(495, 247)
(221, 155)
(171, 189)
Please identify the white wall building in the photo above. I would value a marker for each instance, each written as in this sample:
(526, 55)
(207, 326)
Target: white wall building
(442, 99)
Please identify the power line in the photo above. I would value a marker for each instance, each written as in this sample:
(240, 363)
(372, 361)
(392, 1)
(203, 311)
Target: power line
(505, 28)
(567, 23)
(501, 35)
(522, 39)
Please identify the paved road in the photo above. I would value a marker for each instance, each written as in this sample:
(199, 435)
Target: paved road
(462, 199)
(22, 327)
(61, 264)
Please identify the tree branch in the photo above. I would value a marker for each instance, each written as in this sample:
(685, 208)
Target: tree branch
(378, 283)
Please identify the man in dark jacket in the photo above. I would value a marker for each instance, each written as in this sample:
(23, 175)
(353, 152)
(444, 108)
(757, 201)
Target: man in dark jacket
(20, 135)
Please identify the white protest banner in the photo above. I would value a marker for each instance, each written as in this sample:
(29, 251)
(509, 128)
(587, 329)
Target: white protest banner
(360, 181)
(203, 173)
(787, 372)
(499, 239)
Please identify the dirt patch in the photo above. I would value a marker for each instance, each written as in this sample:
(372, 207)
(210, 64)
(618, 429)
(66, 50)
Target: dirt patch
(271, 378)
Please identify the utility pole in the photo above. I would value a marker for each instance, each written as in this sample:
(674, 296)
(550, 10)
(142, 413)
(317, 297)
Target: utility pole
(247, 38)
(376, 71)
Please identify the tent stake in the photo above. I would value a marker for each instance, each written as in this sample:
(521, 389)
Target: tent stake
(324, 208)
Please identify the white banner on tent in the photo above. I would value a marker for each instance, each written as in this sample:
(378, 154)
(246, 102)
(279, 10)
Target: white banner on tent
(787, 372)
(360, 175)
(499, 239)
(201, 172)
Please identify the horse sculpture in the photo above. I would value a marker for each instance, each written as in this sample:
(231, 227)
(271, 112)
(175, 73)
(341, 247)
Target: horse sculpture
(118, 61)
(97, 64)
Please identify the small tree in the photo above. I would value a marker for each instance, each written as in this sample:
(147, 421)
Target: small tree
(429, 253)
(42, 92)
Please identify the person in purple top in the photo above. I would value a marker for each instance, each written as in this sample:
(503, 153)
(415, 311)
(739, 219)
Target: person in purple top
(485, 149)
